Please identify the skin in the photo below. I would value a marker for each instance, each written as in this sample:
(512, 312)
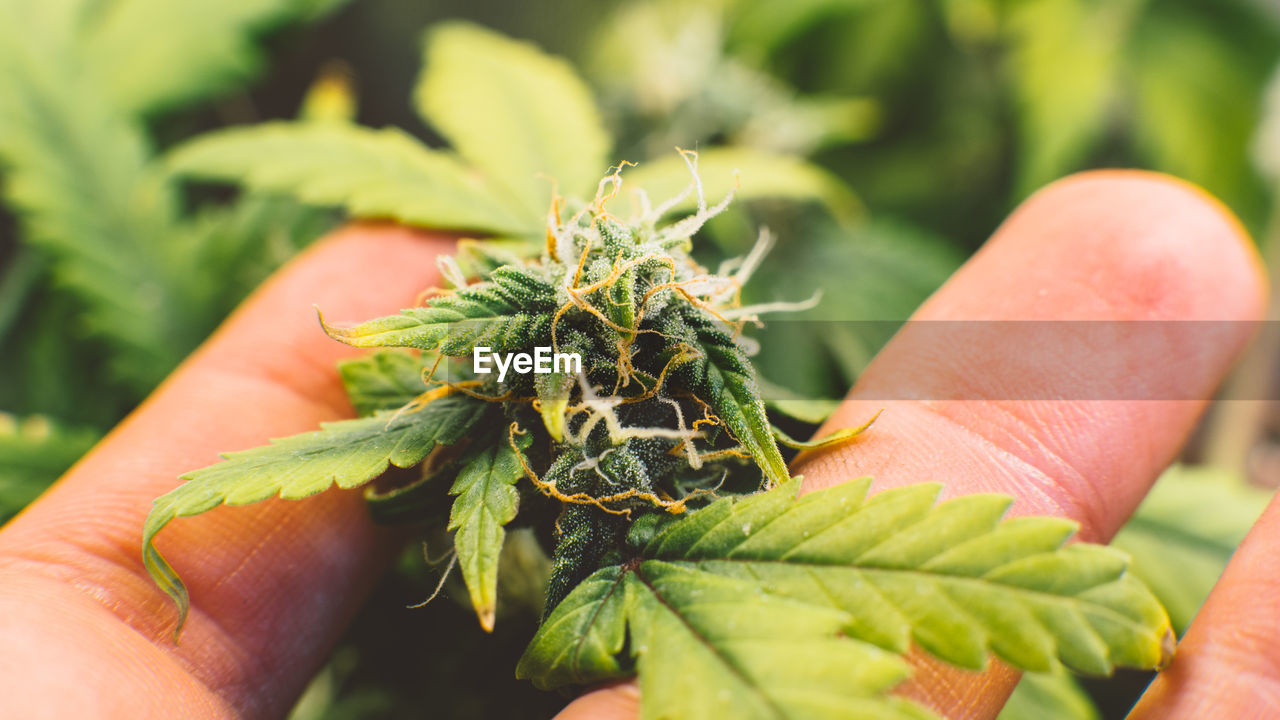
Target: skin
(83, 632)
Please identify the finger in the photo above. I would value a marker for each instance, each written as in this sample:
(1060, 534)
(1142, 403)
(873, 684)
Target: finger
(1106, 247)
(271, 584)
(1228, 664)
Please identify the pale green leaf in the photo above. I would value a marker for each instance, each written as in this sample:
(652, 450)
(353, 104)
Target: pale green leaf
(384, 380)
(750, 174)
(523, 117)
(510, 312)
(347, 453)
(486, 502)
(1197, 101)
(157, 54)
(838, 437)
(371, 173)
(1184, 533)
(1066, 63)
(1049, 696)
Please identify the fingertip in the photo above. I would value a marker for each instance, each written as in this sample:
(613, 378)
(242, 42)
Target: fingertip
(1152, 246)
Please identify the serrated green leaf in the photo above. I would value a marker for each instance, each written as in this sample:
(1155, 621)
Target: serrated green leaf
(959, 581)
(33, 453)
(348, 453)
(371, 173)
(153, 55)
(486, 501)
(579, 643)
(755, 174)
(384, 380)
(710, 647)
(725, 379)
(1185, 531)
(510, 312)
(769, 606)
(523, 117)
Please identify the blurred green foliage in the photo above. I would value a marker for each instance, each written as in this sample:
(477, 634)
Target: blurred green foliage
(924, 123)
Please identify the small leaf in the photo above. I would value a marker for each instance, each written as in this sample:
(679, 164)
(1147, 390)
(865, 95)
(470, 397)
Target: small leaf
(371, 173)
(348, 453)
(755, 175)
(384, 380)
(509, 313)
(523, 117)
(725, 379)
(838, 437)
(580, 642)
(486, 501)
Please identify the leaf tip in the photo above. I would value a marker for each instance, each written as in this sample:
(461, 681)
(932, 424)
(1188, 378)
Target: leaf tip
(487, 615)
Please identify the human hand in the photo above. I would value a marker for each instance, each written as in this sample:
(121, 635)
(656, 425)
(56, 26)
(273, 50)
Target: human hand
(1105, 247)
(82, 626)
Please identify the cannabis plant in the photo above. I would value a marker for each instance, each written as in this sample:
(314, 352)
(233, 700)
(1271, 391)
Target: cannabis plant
(596, 385)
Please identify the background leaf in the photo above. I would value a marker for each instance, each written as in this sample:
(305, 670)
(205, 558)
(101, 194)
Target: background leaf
(1066, 62)
(755, 174)
(1184, 533)
(371, 173)
(154, 55)
(523, 117)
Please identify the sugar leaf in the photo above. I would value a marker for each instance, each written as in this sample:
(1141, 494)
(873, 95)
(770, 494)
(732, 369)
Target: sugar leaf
(384, 380)
(348, 453)
(723, 376)
(510, 312)
(486, 501)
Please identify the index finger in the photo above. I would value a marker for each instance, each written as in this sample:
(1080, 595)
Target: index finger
(272, 584)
